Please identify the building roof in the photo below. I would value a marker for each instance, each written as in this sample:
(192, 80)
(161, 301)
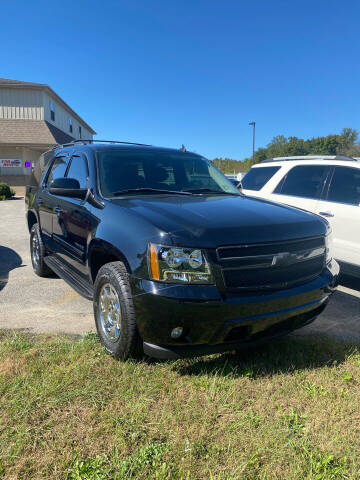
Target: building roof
(6, 82)
(31, 132)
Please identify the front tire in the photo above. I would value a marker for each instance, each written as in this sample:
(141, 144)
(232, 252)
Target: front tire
(114, 312)
(37, 251)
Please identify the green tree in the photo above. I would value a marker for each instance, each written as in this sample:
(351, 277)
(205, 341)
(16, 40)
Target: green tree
(345, 143)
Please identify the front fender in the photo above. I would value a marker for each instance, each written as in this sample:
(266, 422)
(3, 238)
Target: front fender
(126, 235)
(129, 245)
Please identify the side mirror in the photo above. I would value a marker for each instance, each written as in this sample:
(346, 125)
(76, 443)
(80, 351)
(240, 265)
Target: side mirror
(67, 187)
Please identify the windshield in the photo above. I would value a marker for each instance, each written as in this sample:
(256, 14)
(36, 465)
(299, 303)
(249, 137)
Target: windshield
(141, 173)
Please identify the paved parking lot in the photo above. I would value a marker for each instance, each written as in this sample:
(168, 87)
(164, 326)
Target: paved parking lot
(50, 305)
(26, 300)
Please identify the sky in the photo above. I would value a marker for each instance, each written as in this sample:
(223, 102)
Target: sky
(192, 72)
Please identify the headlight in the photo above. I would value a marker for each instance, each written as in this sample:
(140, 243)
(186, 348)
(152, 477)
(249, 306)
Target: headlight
(329, 244)
(178, 265)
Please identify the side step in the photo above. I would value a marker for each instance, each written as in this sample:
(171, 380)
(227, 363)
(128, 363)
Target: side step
(70, 276)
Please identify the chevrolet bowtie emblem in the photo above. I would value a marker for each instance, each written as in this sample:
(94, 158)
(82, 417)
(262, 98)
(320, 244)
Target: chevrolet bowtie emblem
(281, 258)
(286, 258)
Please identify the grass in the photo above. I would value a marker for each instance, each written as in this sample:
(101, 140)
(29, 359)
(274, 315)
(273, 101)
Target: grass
(290, 410)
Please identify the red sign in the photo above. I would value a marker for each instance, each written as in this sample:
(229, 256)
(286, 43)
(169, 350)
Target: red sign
(10, 162)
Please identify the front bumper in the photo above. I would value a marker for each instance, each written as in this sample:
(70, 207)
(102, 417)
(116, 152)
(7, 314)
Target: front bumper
(215, 322)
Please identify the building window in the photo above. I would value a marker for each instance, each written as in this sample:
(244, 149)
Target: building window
(79, 131)
(52, 111)
(70, 125)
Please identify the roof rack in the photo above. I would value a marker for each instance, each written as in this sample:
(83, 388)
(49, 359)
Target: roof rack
(86, 142)
(311, 157)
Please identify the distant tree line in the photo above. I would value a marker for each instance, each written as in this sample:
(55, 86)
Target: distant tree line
(345, 143)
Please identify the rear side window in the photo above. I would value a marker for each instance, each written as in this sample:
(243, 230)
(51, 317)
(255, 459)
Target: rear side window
(256, 178)
(345, 186)
(57, 169)
(305, 181)
(78, 170)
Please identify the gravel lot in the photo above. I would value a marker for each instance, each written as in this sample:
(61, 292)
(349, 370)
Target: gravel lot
(49, 305)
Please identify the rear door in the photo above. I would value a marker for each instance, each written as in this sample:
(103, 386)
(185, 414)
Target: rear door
(46, 201)
(302, 186)
(72, 223)
(341, 208)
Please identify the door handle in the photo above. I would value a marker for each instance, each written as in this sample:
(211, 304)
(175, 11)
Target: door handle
(326, 214)
(58, 211)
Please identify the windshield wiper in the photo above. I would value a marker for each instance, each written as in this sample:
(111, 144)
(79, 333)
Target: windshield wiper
(209, 190)
(149, 190)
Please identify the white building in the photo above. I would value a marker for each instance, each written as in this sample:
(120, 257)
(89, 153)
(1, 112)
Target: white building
(32, 119)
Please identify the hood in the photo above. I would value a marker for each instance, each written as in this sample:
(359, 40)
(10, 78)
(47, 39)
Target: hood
(211, 221)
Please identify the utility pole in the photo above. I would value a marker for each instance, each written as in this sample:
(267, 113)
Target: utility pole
(253, 125)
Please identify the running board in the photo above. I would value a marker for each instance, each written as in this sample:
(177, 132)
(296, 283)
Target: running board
(70, 276)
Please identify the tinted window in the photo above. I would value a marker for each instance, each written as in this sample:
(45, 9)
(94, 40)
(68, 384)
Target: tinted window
(345, 186)
(234, 181)
(304, 181)
(58, 169)
(78, 170)
(121, 170)
(256, 178)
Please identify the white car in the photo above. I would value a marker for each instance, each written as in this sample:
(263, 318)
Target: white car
(326, 185)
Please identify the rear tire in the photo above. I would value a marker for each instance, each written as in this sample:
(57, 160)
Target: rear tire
(37, 251)
(114, 312)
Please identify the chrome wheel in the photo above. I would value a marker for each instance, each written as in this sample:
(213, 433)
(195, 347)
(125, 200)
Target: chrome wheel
(35, 250)
(110, 312)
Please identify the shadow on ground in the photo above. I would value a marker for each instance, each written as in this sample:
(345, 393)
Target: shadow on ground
(285, 355)
(9, 260)
(350, 282)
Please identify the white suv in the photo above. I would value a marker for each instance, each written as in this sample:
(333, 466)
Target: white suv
(326, 185)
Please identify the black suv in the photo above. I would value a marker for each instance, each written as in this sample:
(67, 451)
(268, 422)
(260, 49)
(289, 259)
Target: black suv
(176, 260)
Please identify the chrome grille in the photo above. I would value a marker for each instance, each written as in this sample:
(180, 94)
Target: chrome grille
(272, 265)
(256, 249)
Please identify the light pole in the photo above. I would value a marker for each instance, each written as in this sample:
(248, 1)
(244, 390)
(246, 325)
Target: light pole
(253, 125)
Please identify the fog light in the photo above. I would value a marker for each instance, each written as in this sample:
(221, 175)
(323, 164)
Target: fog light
(176, 332)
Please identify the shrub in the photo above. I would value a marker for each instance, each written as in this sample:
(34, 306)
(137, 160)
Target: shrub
(6, 191)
